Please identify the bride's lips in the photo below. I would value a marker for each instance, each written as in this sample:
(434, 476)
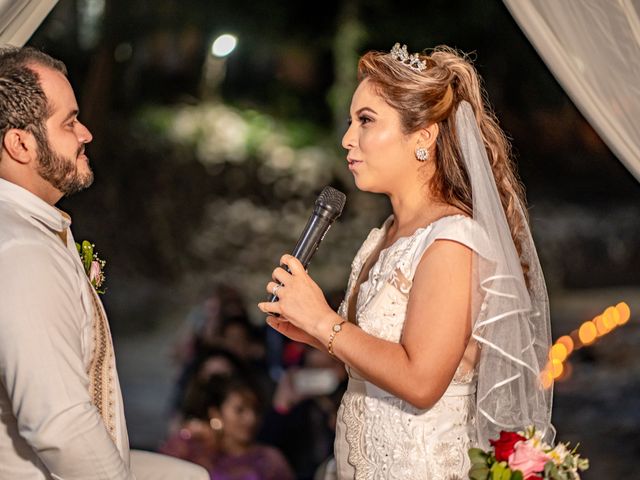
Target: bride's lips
(353, 163)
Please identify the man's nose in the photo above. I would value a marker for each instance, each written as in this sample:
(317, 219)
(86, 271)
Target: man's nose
(84, 135)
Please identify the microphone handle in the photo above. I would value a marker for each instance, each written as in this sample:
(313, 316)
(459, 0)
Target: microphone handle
(308, 243)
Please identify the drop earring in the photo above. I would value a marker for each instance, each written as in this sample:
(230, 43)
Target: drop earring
(422, 154)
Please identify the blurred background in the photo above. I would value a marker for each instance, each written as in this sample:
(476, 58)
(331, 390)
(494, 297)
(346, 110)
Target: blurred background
(208, 157)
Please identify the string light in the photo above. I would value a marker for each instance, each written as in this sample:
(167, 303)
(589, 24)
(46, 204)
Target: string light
(588, 332)
(601, 326)
(557, 367)
(558, 352)
(624, 311)
(567, 342)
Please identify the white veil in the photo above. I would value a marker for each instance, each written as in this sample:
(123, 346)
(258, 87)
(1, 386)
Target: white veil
(512, 326)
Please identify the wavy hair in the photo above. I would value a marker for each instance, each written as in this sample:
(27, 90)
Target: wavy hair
(432, 95)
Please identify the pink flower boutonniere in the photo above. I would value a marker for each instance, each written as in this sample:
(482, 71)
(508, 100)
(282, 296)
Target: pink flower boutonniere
(525, 456)
(93, 265)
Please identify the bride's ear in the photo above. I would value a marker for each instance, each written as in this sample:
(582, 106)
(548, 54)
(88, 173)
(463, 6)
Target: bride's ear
(429, 135)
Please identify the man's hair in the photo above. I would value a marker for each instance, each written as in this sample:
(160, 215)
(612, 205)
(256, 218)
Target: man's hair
(23, 103)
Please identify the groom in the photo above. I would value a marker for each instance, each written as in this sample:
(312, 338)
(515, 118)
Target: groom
(61, 410)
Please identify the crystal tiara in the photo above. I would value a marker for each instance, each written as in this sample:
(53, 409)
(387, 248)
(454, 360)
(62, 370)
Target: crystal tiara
(412, 61)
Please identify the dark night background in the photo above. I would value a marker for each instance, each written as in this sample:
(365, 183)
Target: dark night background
(206, 170)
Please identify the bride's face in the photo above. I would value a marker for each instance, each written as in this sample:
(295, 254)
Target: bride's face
(380, 156)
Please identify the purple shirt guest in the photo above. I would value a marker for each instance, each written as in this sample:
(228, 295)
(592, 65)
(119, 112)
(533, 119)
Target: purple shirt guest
(220, 434)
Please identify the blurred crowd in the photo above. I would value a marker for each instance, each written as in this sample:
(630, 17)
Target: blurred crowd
(249, 404)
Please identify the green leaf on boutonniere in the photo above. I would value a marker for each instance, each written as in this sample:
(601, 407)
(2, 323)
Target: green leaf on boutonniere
(92, 265)
(87, 255)
(517, 475)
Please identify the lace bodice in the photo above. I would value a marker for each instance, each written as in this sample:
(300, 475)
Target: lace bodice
(380, 436)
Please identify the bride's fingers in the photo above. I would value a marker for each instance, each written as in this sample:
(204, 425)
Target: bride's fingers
(274, 288)
(281, 326)
(285, 328)
(274, 322)
(270, 307)
(280, 275)
(294, 265)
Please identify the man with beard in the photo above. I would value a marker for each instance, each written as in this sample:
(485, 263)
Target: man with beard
(61, 410)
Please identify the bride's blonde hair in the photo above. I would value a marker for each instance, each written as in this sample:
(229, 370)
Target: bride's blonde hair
(432, 96)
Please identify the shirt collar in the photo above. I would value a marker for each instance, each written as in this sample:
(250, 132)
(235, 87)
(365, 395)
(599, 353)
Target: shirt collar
(29, 204)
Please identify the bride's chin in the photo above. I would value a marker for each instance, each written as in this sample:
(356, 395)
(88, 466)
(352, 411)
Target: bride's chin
(368, 187)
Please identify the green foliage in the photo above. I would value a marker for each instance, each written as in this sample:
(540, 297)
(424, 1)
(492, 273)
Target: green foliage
(480, 464)
(551, 472)
(478, 472)
(86, 254)
(478, 456)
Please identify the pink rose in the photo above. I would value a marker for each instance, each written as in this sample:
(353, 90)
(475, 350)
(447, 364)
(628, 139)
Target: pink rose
(95, 273)
(528, 459)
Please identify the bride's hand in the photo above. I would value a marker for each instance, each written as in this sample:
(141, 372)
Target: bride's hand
(300, 300)
(292, 332)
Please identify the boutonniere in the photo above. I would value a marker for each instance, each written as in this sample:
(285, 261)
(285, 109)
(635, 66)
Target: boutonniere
(93, 265)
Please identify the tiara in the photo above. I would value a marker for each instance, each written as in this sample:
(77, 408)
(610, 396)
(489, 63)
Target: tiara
(412, 61)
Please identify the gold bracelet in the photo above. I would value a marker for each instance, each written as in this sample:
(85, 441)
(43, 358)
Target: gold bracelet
(337, 328)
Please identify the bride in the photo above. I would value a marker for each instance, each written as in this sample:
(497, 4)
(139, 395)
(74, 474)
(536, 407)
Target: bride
(444, 329)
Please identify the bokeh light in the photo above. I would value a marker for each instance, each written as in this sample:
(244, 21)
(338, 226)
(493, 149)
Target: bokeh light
(601, 325)
(624, 312)
(566, 372)
(556, 368)
(224, 45)
(587, 332)
(611, 317)
(558, 352)
(546, 378)
(567, 342)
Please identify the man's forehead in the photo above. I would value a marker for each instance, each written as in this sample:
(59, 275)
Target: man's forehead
(57, 89)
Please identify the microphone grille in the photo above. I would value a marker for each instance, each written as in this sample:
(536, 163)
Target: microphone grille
(332, 199)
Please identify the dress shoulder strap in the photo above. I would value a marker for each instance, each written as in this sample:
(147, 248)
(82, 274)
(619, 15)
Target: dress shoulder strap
(458, 228)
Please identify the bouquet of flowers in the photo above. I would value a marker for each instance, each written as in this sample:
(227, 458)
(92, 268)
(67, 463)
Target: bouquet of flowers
(524, 456)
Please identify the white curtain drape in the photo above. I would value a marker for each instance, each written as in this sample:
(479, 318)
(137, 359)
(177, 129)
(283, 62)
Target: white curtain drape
(592, 47)
(20, 18)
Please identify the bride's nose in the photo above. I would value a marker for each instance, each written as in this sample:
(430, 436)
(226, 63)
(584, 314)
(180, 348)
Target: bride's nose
(349, 140)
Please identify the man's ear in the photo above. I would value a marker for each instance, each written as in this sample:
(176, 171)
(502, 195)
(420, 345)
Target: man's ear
(20, 145)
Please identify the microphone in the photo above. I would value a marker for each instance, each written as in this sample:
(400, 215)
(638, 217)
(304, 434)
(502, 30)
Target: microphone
(327, 208)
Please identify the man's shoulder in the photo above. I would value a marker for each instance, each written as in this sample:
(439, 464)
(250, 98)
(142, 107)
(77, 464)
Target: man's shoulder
(18, 229)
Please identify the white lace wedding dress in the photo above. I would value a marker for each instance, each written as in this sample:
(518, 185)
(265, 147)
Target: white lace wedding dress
(379, 436)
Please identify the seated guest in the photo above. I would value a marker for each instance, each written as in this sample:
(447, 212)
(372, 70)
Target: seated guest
(219, 432)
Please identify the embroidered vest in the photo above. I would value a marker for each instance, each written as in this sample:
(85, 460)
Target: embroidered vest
(101, 385)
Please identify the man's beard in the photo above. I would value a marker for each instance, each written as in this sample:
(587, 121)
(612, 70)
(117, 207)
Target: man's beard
(61, 172)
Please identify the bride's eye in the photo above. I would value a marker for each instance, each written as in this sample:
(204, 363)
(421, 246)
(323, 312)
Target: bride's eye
(364, 119)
